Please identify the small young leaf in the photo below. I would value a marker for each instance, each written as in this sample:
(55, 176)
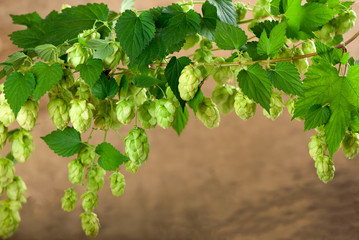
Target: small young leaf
(255, 83)
(181, 120)
(17, 89)
(229, 37)
(226, 11)
(193, 103)
(46, 52)
(91, 71)
(64, 143)
(270, 46)
(105, 87)
(102, 48)
(316, 116)
(110, 158)
(46, 77)
(145, 81)
(285, 77)
(173, 72)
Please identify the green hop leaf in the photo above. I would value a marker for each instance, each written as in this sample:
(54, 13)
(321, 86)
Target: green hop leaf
(110, 158)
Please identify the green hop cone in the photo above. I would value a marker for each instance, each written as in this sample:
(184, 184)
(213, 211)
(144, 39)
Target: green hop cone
(81, 90)
(81, 114)
(131, 167)
(290, 105)
(224, 96)
(345, 21)
(67, 80)
(7, 116)
(95, 178)
(208, 113)
(165, 112)
(137, 146)
(326, 33)
(22, 145)
(59, 112)
(188, 82)
(125, 111)
(222, 74)
(27, 115)
(171, 96)
(87, 154)
(90, 223)
(69, 200)
(186, 5)
(9, 218)
(262, 9)
(76, 171)
(244, 107)
(325, 168)
(317, 146)
(78, 54)
(7, 171)
(301, 64)
(146, 114)
(117, 184)
(350, 145)
(191, 41)
(89, 201)
(308, 47)
(276, 106)
(242, 58)
(105, 114)
(114, 59)
(3, 135)
(138, 95)
(89, 34)
(16, 189)
(241, 10)
(284, 52)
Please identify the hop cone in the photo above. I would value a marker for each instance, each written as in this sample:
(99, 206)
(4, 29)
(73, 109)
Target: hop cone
(81, 90)
(191, 41)
(138, 95)
(241, 10)
(114, 59)
(326, 33)
(290, 104)
(89, 35)
(86, 154)
(67, 80)
(308, 47)
(3, 135)
(276, 106)
(224, 96)
(16, 189)
(146, 114)
(69, 200)
(89, 201)
(117, 184)
(78, 54)
(350, 145)
(325, 168)
(90, 223)
(27, 115)
(222, 74)
(105, 114)
(95, 179)
(22, 145)
(171, 96)
(344, 22)
(76, 171)
(59, 112)
(284, 52)
(81, 114)
(317, 146)
(7, 116)
(137, 146)
(208, 113)
(125, 111)
(131, 167)
(244, 107)
(301, 64)
(9, 218)
(188, 82)
(165, 112)
(7, 171)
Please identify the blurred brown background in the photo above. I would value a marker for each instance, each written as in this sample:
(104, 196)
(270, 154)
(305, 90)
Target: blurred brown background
(243, 180)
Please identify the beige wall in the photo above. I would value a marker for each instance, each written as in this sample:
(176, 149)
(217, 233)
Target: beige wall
(243, 180)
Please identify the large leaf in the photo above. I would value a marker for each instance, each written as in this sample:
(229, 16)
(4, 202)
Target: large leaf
(270, 46)
(105, 87)
(46, 52)
(64, 143)
(135, 32)
(110, 158)
(229, 37)
(255, 83)
(285, 77)
(102, 48)
(226, 11)
(173, 72)
(208, 21)
(17, 89)
(145, 81)
(91, 71)
(46, 77)
(316, 116)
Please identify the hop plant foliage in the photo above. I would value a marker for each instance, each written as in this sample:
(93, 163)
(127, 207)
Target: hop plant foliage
(130, 69)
